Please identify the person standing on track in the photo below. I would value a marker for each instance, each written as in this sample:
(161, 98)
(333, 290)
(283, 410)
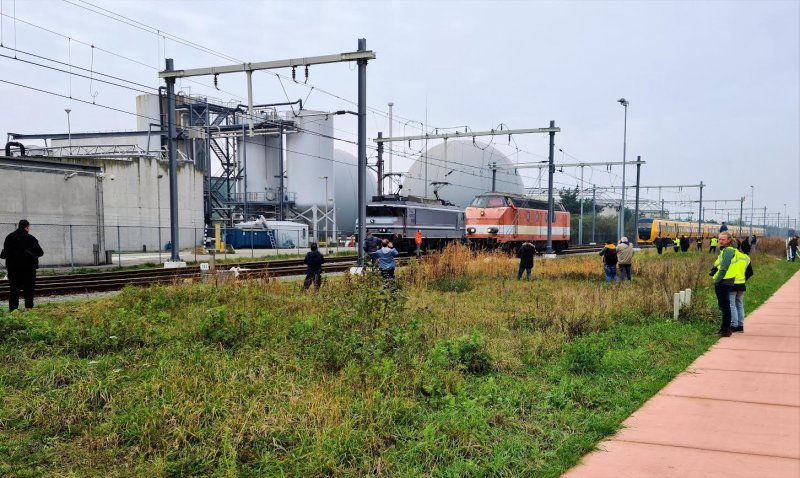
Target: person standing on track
(22, 252)
(525, 254)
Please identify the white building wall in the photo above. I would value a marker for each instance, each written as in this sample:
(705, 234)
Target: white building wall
(52, 203)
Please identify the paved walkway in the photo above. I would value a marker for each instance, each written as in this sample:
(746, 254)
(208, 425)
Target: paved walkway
(734, 413)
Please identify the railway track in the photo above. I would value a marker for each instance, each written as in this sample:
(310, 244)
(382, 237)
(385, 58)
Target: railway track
(110, 281)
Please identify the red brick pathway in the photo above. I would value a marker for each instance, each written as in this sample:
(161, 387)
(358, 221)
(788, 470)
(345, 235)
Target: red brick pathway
(735, 412)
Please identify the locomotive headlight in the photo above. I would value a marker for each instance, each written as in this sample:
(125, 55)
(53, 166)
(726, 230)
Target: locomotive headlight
(470, 230)
(383, 229)
(492, 230)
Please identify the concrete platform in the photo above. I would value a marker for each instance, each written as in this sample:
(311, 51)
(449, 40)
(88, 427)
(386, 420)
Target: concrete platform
(735, 412)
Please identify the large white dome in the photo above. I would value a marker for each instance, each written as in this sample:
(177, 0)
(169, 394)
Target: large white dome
(345, 190)
(466, 169)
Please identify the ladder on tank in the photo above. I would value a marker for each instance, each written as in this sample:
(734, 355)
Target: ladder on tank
(272, 239)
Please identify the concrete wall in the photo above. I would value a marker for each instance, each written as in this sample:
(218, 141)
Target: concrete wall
(137, 200)
(40, 193)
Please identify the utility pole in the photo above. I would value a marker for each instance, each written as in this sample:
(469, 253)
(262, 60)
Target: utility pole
(741, 214)
(389, 166)
(380, 165)
(700, 213)
(550, 203)
(636, 211)
(471, 134)
(594, 211)
(173, 167)
(580, 219)
(362, 149)
(360, 57)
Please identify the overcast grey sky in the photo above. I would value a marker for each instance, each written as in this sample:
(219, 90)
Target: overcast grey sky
(713, 86)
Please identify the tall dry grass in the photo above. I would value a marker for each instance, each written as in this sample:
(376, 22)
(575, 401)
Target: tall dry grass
(774, 246)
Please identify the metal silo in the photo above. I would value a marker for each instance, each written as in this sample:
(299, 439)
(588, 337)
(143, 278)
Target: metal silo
(261, 157)
(309, 156)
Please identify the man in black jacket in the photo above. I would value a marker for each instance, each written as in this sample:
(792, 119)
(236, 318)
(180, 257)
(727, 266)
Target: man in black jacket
(313, 261)
(525, 254)
(22, 252)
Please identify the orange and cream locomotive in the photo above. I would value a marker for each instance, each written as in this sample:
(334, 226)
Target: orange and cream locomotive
(506, 221)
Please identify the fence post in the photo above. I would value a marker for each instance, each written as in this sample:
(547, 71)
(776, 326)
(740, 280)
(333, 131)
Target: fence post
(71, 250)
(688, 296)
(676, 305)
(119, 248)
(195, 244)
(159, 244)
(252, 251)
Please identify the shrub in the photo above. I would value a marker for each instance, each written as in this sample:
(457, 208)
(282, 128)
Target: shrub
(466, 354)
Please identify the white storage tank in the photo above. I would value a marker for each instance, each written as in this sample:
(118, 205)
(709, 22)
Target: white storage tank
(261, 154)
(466, 169)
(345, 190)
(309, 155)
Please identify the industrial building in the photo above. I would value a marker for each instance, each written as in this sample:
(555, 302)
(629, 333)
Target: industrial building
(278, 163)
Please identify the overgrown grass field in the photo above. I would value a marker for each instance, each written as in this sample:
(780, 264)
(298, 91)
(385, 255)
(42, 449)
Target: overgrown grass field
(461, 371)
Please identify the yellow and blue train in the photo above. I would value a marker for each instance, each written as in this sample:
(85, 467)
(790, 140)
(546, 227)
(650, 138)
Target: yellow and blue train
(649, 229)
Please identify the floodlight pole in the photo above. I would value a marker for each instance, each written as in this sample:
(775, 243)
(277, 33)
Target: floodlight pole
(636, 211)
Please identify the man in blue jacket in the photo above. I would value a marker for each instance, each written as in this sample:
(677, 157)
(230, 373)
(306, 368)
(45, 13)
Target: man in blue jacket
(385, 257)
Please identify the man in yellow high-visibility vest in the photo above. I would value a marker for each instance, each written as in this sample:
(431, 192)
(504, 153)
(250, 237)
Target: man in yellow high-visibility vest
(742, 271)
(724, 277)
(713, 246)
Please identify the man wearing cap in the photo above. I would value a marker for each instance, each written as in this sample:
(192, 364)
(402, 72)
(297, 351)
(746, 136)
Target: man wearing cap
(22, 252)
(624, 258)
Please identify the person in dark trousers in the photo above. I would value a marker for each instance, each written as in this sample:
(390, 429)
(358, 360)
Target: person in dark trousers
(793, 247)
(744, 246)
(624, 259)
(22, 252)
(676, 244)
(724, 277)
(371, 244)
(699, 243)
(753, 241)
(713, 246)
(609, 254)
(659, 245)
(313, 261)
(385, 257)
(684, 242)
(525, 254)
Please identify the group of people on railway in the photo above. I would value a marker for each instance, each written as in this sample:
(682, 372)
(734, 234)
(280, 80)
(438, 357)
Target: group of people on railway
(683, 244)
(381, 252)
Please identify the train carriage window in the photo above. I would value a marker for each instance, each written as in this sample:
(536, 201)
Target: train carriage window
(427, 217)
(377, 211)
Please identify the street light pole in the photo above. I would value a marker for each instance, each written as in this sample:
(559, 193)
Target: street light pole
(752, 208)
(624, 103)
(69, 129)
